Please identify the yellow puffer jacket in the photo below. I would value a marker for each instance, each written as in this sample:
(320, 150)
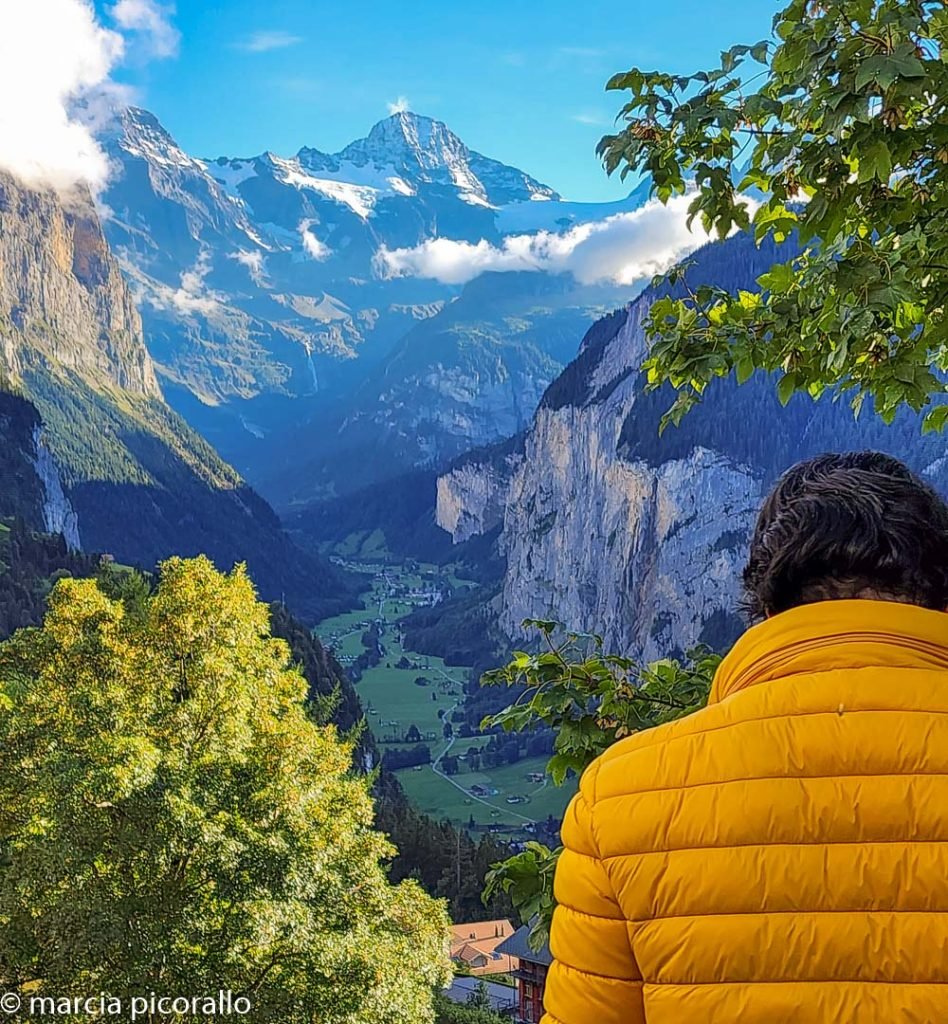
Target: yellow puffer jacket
(782, 855)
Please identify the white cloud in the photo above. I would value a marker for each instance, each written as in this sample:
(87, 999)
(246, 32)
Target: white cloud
(55, 91)
(254, 261)
(593, 119)
(52, 53)
(624, 248)
(264, 41)
(316, 249)
(191, 296)
(400, 106)
(152, 21)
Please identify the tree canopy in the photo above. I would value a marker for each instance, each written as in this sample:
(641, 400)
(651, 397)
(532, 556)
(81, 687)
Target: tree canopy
(837, 128)
(172, 820)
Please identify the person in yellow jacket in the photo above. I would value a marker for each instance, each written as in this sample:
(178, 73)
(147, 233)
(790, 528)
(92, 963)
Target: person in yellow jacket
(782, 855)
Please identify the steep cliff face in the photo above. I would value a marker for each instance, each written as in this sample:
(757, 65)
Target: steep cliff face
(103, 447)
(62, 296)
(648, 556)
(610, 528)
(472, 494)
(643, 554)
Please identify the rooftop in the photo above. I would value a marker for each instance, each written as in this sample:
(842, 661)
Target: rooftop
(518, 946)
(480, 940)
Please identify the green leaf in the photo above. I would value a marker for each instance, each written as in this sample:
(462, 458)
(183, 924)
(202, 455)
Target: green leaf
(846, 110)
(875, 162)
(935, 420)
(786, 387)
(744, 369)
(779, 279)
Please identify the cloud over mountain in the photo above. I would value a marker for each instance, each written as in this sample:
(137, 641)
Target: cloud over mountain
(55, 61)
(152, 21)
(622, 248)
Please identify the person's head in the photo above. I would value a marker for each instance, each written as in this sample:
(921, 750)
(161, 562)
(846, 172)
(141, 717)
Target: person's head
(855, 525)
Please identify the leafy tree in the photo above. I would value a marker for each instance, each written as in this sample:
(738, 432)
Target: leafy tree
(590, 699)
(479, 998)
(844, 135)
(172, 820)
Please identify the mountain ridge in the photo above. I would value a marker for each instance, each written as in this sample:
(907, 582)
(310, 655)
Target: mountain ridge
(261, 280)
(142, 485)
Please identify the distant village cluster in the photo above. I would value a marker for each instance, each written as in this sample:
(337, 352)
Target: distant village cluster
(389, 587)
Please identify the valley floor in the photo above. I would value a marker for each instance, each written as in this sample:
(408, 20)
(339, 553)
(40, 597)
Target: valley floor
(506, 800)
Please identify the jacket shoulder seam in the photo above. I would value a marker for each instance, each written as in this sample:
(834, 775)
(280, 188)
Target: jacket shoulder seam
(586, 913)
(656, 742)
(941, 772)
(792, 843)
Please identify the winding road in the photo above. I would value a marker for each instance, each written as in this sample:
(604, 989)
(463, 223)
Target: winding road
(435, 767)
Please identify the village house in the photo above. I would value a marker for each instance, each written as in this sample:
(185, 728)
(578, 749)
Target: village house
(530, 975)
(475, 946)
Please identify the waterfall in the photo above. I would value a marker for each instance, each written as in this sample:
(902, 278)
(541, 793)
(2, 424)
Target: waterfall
(58, 514)
(312, 369)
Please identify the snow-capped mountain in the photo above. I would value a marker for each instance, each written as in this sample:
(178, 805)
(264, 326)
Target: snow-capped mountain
(407, 152)
(263, 282)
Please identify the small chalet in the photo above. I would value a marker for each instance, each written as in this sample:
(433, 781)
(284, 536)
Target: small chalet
(476, 947)
(530, 975)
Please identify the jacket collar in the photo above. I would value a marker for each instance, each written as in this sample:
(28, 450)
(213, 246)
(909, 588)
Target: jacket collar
(834, 635)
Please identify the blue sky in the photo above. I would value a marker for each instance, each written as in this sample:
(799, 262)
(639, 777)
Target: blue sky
(518, 80)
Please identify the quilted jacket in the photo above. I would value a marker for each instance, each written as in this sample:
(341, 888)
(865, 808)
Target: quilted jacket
(782, 855)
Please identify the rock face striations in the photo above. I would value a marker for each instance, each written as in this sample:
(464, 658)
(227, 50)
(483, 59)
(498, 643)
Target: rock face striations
(112, 462)
(62, 295)
(610, 528)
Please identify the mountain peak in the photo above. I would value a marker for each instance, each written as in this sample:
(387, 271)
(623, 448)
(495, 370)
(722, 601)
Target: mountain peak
(409, 141)
(139, 133)
(136, 123)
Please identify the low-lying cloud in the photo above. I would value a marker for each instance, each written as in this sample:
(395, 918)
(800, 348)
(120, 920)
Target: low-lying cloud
(624, 248)
(192, 297)
(55, 61)
(254, 261)
(312, 246)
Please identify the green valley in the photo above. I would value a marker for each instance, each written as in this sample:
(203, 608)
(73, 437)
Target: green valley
(412, 703)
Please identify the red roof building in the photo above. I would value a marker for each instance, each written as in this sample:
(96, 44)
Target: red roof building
(476, 947)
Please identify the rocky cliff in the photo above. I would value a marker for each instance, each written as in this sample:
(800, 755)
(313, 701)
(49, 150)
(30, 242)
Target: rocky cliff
(610, 528)
(472, 495)
(102, 447)
(58, 514)
(62, 296)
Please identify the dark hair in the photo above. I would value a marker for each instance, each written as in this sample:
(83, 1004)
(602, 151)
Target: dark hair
(859, 524)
